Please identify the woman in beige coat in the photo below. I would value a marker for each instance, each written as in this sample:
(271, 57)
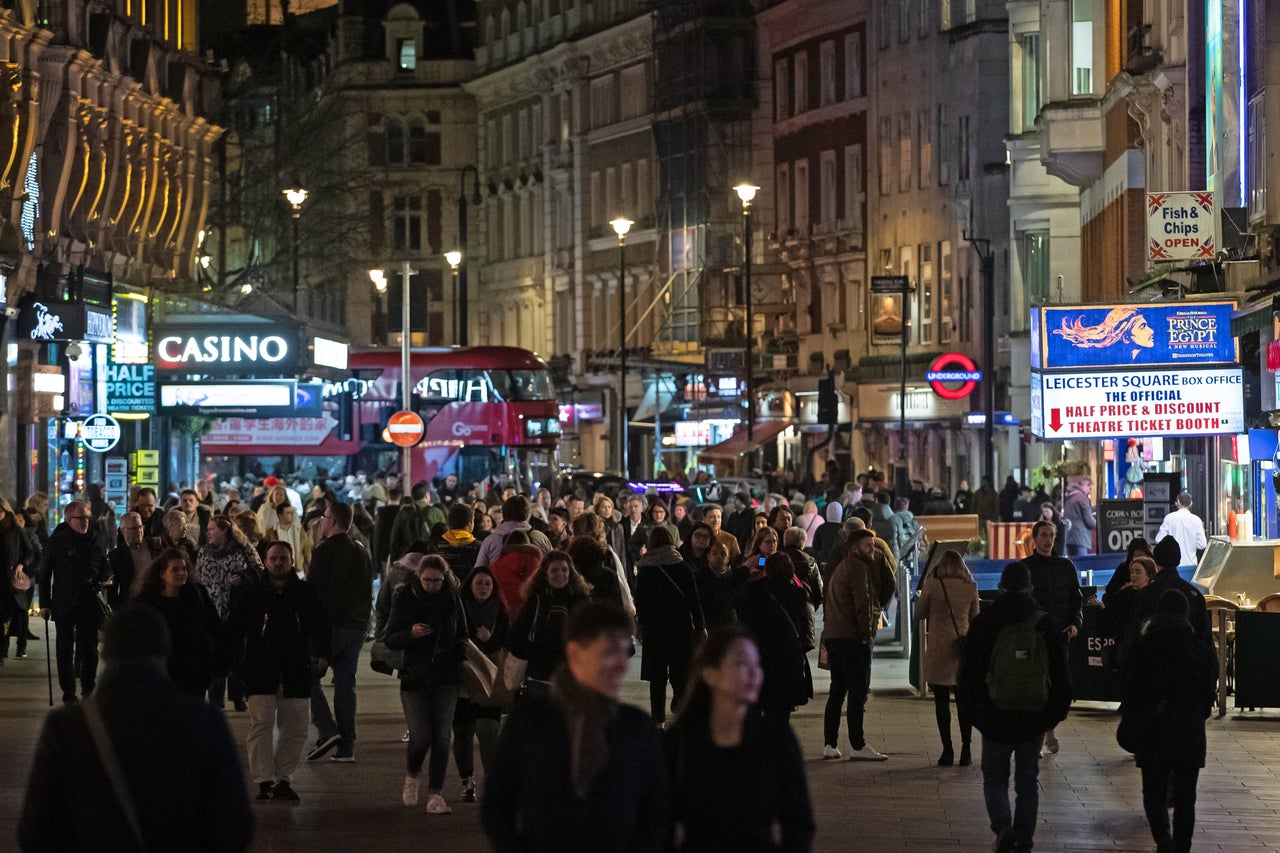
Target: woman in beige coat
(948, 600)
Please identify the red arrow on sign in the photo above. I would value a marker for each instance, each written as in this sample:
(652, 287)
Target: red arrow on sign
(1055, 419)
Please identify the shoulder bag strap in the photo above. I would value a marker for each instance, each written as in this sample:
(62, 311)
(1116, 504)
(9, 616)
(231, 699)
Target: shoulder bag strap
(942, 583)
(790, 621)
(111, 764)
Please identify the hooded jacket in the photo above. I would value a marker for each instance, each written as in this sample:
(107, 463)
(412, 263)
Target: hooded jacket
(460, 550)
(491, 546)
(994, 723)
(888, 527)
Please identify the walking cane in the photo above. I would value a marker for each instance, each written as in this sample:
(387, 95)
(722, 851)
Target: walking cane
(48, 659)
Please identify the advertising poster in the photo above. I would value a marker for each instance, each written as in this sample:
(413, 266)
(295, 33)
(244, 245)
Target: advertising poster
(1136, 335)
(1182, 227)
(1119, 523)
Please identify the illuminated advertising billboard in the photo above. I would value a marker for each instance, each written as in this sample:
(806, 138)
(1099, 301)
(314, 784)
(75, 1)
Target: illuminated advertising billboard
(1135, 335)
(1118, 404)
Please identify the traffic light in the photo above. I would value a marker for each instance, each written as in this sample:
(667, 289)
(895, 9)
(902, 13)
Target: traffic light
(828, 403)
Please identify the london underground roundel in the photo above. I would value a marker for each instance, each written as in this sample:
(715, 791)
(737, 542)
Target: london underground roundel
(950, 368)
(405, 428)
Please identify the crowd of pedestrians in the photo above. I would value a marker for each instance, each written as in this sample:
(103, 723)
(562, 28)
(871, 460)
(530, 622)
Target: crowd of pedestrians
(509, 629)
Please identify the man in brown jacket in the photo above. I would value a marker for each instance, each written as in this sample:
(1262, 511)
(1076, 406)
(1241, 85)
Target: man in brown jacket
(858, 591)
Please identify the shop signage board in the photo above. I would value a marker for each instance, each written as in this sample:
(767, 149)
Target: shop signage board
(247, 398)
(1157, 334)
(263, 432)
(131, 388)
(1119, 523)
(1118, 404)
(58, 320)
(1182, 226)
(878, 401)
(100, 432)
(243, 349)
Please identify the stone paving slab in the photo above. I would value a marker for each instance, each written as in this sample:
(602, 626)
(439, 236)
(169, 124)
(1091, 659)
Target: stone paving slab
(1090, 800)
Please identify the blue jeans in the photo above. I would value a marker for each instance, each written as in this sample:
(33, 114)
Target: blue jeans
(429, 713)
(850, 662)
(343, 658)
(995, 785)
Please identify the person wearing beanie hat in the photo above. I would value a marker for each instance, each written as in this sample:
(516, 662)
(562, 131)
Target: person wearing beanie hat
(1006, 733)
(1055, 585)
(1170, 686)
(175, 755)
(856, 592)
(1167, 554)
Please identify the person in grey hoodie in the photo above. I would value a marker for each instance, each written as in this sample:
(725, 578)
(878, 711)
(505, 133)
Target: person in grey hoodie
(887, 525)
(515, 516)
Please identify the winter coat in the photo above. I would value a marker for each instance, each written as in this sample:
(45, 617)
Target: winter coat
(1170, 579)
(596, 565)
(730, 798)
(808, 573)
(491, 545)
(459, 549)
(342, 574)
(1171, 680)
(941, 660)
(780, 618)
(810, 523)
(640, 538)
(986, 505)
(1078, 511)
(716, 594)
(180, 763)
(510, 571)
(537, 634)
(283, 630)
(414, 522)
(668, 609)
(75, 565)
(995, 723)
(530, 804)
(193, 627)
(888, 527)
(1056, 588)
(215, 567)
(855, 595)
(437, 657)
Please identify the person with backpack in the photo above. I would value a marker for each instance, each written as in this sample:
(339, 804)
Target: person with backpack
(415, 521)
(1015, 684)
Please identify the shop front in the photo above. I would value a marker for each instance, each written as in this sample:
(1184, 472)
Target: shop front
(939, 451)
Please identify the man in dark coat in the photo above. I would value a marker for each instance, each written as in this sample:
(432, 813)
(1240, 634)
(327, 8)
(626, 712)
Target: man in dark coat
(1167, 555)
(1006, 733)
(145, 504)
(342, 574)
(130, 558)
(285, 635)
(1055, 586)
(1008, 497)
(176, 756)
(75, 567)
(985, 505)
(576, 769)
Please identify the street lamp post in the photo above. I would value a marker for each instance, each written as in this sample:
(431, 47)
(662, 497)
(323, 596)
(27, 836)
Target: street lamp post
(621, 227)
(454, 259)
(746, 194)
(406, 383)
(460, 272)
(296, 196)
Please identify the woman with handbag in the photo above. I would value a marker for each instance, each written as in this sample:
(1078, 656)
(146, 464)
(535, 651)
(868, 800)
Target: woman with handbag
(427, 621)
(537, 635)
(15, 582)
(475, 715)
(670, 615)
(948, 600)
(776, 611)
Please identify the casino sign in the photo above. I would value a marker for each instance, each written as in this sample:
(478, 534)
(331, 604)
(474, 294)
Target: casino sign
(951, 368)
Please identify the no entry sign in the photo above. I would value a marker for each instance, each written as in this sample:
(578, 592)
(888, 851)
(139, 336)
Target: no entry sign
(405, 429)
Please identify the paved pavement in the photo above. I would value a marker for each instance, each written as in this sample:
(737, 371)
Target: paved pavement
(1090, 792)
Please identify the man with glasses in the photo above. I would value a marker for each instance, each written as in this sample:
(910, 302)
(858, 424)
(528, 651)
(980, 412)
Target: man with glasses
(129, 559)
(145, 504)
(342, 575)
(75, 568)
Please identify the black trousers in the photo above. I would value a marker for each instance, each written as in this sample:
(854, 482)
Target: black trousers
(1165, 787)
(78, 650)
(942, 711)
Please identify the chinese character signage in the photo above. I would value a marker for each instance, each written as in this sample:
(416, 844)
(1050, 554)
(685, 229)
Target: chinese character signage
(1134, 335)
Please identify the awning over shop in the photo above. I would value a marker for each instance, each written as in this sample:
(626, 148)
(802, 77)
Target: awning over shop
(737, 444)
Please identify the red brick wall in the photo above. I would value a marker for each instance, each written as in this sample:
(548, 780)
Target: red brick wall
(1113, 246)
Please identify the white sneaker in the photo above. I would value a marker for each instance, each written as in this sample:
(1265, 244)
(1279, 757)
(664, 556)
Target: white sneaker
(867, 754)
(830, 753)
(437, 805)
(410, 793)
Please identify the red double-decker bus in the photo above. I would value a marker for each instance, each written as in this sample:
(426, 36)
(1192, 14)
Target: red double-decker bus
(490, 415)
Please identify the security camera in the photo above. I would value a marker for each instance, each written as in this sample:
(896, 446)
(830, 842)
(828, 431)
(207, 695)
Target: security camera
(74, 351)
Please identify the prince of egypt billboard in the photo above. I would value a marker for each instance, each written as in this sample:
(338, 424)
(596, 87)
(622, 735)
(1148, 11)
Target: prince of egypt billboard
(1134, 335)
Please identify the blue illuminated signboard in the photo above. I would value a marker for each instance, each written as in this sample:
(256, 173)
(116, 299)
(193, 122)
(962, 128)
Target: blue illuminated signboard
(1135, 335)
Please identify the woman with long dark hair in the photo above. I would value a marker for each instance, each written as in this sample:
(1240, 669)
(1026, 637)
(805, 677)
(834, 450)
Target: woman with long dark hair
(427, 622)
(537, 635)
(168, 586)
(948, 600)
(733, 781)
(487, 627)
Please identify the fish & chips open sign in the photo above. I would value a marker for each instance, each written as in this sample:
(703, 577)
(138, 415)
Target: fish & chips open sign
(1182, 226)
